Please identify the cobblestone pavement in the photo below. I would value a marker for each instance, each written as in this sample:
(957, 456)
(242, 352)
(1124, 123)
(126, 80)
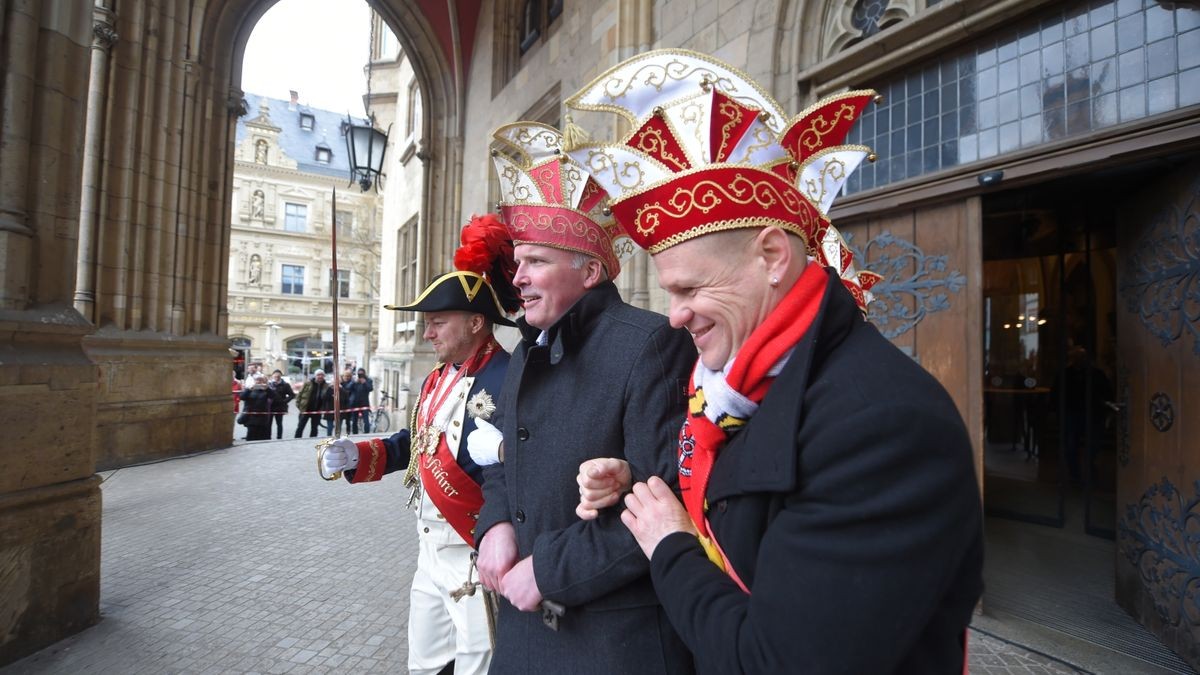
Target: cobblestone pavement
(243, 560)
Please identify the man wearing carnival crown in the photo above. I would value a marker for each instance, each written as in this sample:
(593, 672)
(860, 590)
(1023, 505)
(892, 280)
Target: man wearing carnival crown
(591, 376)
(828, 517)
(448, 621)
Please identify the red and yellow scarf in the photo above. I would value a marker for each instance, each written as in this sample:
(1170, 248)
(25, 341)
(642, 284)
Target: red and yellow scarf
(720, 403)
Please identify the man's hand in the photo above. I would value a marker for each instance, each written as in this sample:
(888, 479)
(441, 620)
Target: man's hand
(341, 455)
(652, 512)
(497, 555)
(520, 587)
(485, 444)
(601, 483)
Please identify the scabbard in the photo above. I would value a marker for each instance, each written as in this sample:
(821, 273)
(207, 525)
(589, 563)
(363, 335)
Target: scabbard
(491, 606)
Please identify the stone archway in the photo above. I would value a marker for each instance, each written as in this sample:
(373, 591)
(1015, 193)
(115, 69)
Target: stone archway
(114, 242)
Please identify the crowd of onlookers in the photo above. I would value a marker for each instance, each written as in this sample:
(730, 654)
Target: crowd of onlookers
(262, 401)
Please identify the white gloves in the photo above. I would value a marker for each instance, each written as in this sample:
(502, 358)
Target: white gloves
(341, 455)
(484, 443)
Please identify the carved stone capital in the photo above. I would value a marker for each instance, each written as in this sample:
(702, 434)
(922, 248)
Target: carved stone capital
(235, 103)
(104, 34)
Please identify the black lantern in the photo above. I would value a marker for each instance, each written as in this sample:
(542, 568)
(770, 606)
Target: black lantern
(365, 146)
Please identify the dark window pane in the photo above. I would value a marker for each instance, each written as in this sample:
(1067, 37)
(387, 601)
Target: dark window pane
(1031, 100)
(1160, 58)
(897, 170)
(898, 146)
(913, 160)
(967, 122)
(1079, 85)
(1131, 67)
(1009, 76)
(949, 97)
(1006, 49)
(1104, 76)
(1102, 13)
(914, 109)
(1160, 23)
(949, 154)
(949, 69)
(913, 137)
(1131, 33)
(1079, 117)
(1052, 59)
(1008, 107)
(987, 113)
(929, 79)
(932, 159)
(1077, 51)
(929, 132)
(1104, 41)
(1010, 137)
(949, 126)
(1030, 40)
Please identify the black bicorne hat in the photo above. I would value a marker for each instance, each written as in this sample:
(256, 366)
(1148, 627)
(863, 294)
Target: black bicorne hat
(458, 292)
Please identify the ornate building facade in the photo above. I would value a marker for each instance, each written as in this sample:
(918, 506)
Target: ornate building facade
(288, 161)
(1033, 212)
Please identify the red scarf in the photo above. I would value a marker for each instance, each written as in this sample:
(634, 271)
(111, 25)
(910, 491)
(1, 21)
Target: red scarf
(700, 439)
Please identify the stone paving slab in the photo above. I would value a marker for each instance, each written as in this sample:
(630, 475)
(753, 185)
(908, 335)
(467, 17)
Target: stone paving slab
(243, 561)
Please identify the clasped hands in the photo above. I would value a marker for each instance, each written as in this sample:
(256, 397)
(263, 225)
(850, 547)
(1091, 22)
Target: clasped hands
(652, 511)
(500, 571)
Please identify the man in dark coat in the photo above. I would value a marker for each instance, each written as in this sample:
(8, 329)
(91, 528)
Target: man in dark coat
(592, 376)
(315, 397)
(257, 417)
(828, 518)
(283, 395)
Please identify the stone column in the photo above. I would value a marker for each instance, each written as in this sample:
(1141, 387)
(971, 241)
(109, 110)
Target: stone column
(635, 34)
(104, 37)
(49, 497)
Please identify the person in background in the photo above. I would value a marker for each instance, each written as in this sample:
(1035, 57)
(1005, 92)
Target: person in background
(315, 396)
(360, 397)
(257, 416)
(283, 395)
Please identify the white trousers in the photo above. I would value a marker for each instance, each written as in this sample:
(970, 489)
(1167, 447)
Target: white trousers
(441, 630)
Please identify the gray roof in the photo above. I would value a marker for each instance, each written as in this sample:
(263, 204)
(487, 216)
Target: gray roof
(301, 144)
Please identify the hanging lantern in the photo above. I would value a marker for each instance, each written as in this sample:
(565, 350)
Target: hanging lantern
(365, 147)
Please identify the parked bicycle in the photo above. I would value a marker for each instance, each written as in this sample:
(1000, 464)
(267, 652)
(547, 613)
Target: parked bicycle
(381, 421)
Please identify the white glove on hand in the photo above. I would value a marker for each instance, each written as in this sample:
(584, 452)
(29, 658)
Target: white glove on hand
(484, 443)
(341, 455)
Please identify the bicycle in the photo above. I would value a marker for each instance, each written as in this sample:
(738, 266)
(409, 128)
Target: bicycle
(380, 420)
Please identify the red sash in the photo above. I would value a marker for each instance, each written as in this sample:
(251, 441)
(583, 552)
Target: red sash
(452, 490)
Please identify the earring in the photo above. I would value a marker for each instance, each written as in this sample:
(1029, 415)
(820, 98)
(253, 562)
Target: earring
(774, 281)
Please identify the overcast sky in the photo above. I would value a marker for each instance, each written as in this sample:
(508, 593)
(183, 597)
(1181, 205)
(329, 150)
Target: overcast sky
(317, 47)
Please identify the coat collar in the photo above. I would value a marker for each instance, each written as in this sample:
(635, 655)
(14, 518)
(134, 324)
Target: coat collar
(576, 324)
(763, 457)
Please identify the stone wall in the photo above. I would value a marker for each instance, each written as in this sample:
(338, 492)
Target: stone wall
(49, 498)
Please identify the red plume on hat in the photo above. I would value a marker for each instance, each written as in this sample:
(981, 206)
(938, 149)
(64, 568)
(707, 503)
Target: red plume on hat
(487, 250)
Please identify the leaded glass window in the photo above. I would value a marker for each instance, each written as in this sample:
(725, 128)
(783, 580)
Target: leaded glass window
(1074, 70)
(867, 15)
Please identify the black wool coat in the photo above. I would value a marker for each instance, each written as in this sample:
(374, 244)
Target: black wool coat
(849, 507)
(609, 383)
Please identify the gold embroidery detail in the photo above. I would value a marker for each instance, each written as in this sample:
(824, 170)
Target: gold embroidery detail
(733, 117)
(834, 169)
(706, 195)
(813, 137)
(650, 141)
(734, 224)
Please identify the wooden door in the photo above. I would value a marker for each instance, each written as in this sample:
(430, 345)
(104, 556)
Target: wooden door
(928, 301)
(1158, 387)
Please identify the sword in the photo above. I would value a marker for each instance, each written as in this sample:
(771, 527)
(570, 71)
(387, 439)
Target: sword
(323, 445)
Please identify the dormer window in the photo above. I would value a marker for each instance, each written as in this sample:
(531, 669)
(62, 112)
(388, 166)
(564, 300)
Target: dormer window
(307, 121)
(323, 155)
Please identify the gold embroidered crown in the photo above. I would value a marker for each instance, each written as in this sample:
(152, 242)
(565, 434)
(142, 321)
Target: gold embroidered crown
(711, 151)
(546, 198)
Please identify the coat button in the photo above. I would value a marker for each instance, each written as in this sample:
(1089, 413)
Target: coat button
(520, 516)
(522, 434)
(722, 505)
(426, 530)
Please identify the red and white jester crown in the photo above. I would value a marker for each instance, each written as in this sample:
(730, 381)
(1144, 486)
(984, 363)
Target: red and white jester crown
(546, 198)
(711, 151)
